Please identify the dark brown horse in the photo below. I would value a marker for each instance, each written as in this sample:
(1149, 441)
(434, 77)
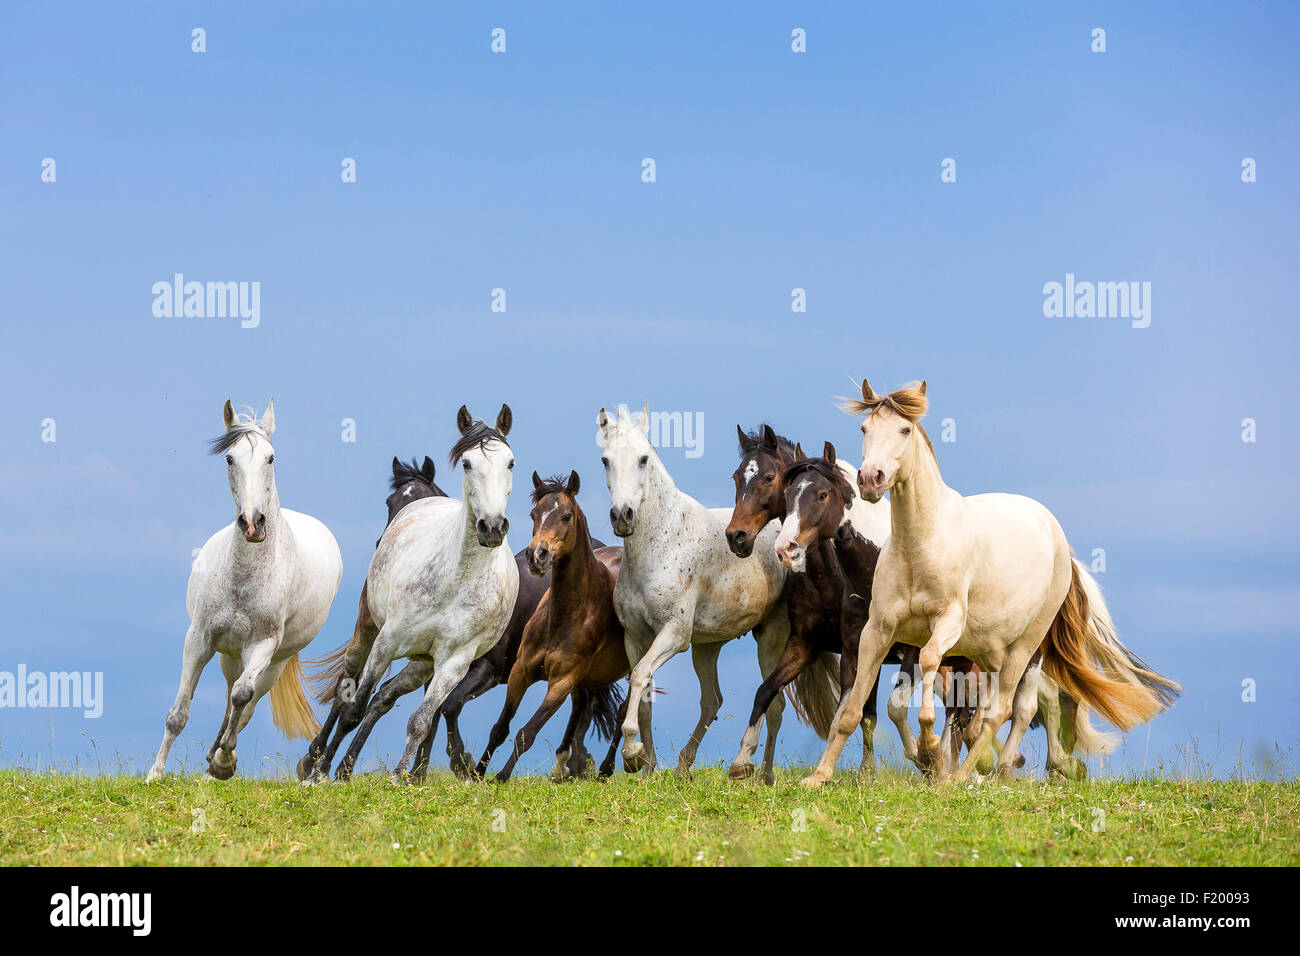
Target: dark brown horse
(337, 674)
(574, 641)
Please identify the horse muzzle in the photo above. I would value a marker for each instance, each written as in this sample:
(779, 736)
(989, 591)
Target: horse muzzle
(791, 555)
(622, 521)
(871, 484)
(539, 562)
(740, 542)
(252, 526)
(491, 533)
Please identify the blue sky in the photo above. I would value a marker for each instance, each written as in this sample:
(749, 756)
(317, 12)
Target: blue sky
(522, 171)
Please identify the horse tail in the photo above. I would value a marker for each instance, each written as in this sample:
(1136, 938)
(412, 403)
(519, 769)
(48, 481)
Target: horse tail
(289, 705)
(604, 710)
(1087, 738)
(1082, 654)
(815, 693)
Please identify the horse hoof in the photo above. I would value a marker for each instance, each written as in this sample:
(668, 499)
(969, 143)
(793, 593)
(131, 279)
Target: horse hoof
(344, 773)
(152, 776)
(1020, 761)
(813, 782)
(769, 778)
(741, 771)
(216, 772)
(305, 766)
(682, 773)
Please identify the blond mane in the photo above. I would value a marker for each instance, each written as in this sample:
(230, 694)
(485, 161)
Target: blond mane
(909, 402)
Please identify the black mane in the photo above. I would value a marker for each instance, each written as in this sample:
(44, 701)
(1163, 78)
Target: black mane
(549, 486)
(754, 440)
(476, 436)
(404, 474)
(226, 441)
(824, 468)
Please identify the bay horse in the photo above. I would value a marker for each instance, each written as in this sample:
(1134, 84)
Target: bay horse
(259, 592)
(340, 670)
(989, 577)
(574, 640)
(441, 585)
(680, 588)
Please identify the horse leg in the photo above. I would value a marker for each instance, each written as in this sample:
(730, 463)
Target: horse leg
(872, 648)
(194, 658)
(771, 642)
(607, 765)
(446, 675)
(518, 682)
(1008, 666)
(795, 658)
(704, 658)
(579, 757)
(947, 630)
(674, 638)
(900, 697)
(581, 704)
(480, 678)
(259, 676)
(420, 768)
(353, 709)
(230, 669)
(409, 678)
(555, 695)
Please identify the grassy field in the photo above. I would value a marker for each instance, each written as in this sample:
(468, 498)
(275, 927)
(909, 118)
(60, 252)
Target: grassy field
(50, 819)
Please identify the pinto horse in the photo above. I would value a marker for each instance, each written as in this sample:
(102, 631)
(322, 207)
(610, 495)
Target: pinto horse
(260, 590)
(441, 586)
(988, 577)
(574, 641)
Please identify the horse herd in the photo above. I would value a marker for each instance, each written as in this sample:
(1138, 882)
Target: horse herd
(979, 600)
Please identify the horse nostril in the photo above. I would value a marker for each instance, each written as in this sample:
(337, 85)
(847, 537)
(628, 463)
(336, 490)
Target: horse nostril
(613, 516)
(481, 526)
(260, 520)
(505, 525)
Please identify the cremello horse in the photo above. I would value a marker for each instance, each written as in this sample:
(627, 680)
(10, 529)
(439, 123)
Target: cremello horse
(441, 586)
(989, 577)
(260, 590)
(680, 587)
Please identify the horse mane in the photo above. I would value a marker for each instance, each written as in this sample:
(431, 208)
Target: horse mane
(245, 425)
(549, 486)
(909, 402)
(404, 474)
(754, 439)
(824, 468)
(478, 436)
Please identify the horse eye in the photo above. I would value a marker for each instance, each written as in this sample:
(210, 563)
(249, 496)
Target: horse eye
(645, 460)
(822, 497)
(567, 518)
(768, 479)
(229, 460)
(467, 466)
(907, 431)
(604, 461)
(511, 466)
(270, 459)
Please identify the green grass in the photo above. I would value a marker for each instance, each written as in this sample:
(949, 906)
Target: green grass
(53, 819)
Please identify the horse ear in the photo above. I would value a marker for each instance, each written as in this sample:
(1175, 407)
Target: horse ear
(267, 424)
(464, 420)
(505, 418)
(798, 452)
(769, 437)
(228, 415)
(427, 470)
(867, 394)
(923, 387)
(397, 465)
(571, 489)
(828, 453)
(537, 481)
(602, 419)
(740, 433)
(643, 419)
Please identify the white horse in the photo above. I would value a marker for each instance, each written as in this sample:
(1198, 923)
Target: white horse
(442, 583)
(260, 590)
(989, 577)
(680, 587)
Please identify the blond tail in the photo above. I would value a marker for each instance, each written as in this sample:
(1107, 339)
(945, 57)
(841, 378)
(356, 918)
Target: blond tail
(815, 693)
(289, 705)
(1082, 653)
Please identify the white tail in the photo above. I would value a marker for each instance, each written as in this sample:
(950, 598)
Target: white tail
(290, 708)
(815, 694)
